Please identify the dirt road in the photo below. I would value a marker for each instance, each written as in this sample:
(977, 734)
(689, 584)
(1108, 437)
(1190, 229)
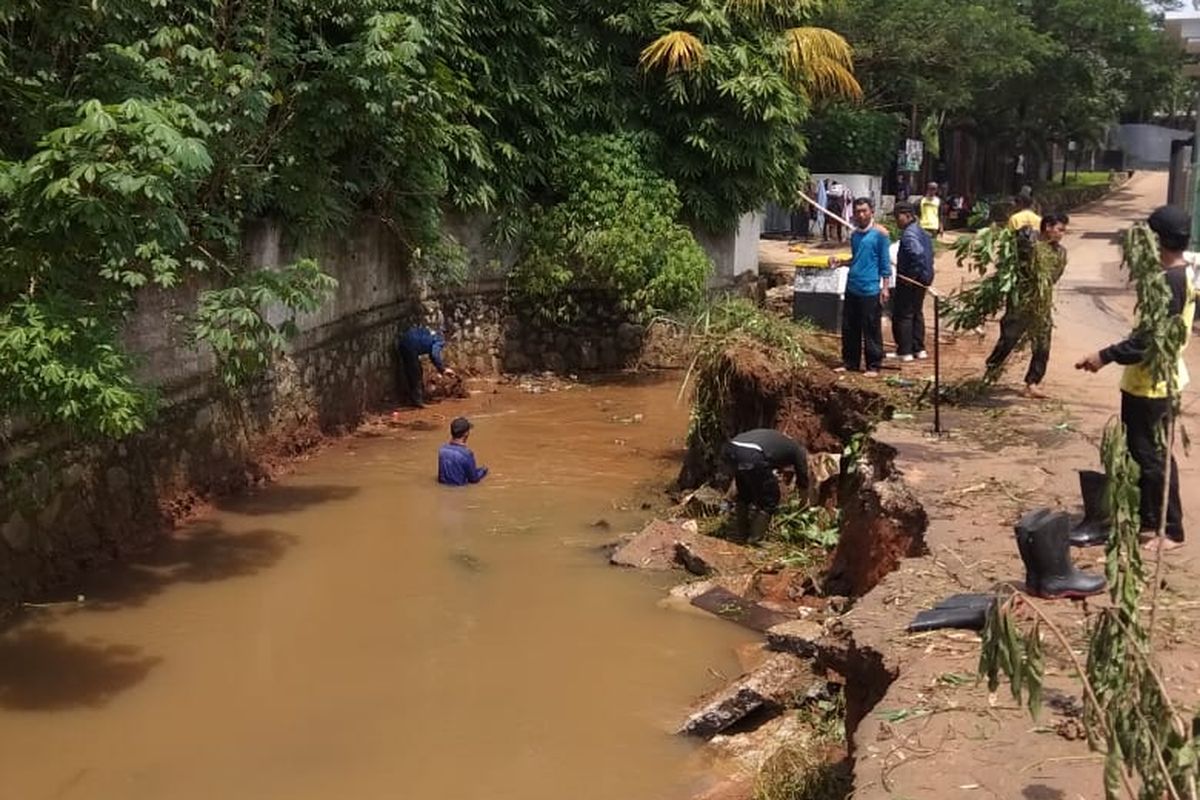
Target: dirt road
(936, 733)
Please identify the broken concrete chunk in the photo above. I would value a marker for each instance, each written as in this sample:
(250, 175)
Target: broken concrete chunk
(779, 681)
(665, 544)
(735, 608)
(653, 548)
(798, 637)
(707, 555)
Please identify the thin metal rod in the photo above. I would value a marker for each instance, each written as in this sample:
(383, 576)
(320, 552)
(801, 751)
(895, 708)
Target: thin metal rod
(937, 365)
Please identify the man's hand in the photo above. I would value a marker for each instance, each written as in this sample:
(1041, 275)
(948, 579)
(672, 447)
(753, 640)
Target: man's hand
(1092, 363)
(884, 294)
(834, 262)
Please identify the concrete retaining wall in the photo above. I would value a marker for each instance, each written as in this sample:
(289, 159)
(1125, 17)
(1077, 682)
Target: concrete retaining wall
(68, 504)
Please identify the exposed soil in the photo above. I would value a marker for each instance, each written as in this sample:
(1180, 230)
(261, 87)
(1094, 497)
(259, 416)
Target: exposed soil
(934, 731)
(919, 723)
(808, 403)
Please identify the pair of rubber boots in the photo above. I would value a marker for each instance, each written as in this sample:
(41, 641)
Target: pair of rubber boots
(752, 523)
(1044, 539)
(1097, 516)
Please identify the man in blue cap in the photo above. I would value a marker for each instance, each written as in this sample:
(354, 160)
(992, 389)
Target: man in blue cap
(456, 462)
(410, 346)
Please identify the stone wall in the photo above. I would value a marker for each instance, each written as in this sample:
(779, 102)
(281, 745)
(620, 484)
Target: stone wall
(67, 504)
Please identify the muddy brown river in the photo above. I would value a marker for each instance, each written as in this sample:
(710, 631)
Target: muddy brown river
(359, 632)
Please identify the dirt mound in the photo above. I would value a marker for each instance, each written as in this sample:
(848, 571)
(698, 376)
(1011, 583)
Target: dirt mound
(444, 387)
(748, 386)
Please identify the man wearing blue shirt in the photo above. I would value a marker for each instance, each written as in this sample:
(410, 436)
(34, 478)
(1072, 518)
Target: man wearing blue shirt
(456, 462)
(410, 346)
(866, 292)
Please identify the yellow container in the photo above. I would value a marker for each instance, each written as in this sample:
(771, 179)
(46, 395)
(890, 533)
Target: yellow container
(820, 261)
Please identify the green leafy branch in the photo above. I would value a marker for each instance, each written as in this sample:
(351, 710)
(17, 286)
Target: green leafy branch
(1013, 276)
(234, 321)
(1128, 712)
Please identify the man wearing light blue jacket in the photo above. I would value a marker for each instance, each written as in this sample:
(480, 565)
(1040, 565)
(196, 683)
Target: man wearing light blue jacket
(866, 292)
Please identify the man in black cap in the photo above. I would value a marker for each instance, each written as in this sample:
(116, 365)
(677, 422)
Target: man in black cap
(754, 457)
(1145, 403)
(456, 462)
(914, 261)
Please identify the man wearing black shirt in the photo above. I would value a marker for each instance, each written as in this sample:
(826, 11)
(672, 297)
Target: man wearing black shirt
(1145, 401)
(754, 457)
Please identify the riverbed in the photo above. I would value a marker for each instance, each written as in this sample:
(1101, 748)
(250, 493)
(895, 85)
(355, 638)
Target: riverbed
(358, 631)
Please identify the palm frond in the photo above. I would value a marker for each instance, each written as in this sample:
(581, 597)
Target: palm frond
(677, 50)
(822, 61)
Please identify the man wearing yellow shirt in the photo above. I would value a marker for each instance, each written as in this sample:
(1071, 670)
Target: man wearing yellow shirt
(1145, 405)
(931, 211)
(1025, 216)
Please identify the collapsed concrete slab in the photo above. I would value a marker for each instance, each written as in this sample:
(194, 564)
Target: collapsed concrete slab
(705, 555)
(800, 637)
(780, 680)
(735, 608)
(668, 544)
(654, 547)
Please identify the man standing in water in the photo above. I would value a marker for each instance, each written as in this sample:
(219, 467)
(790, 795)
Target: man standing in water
(456, 462)
(754, 457)
(1145, 403)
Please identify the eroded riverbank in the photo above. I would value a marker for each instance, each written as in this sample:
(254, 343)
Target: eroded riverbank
(359, 631)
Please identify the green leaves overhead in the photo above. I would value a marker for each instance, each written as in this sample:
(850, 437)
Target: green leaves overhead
(141, 136)
(1013, 72)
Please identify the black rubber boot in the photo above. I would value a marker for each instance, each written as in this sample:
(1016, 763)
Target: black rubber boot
(741, 523)
(1024, 533)
(760, 521)
(1097, 517)
(1048, 557)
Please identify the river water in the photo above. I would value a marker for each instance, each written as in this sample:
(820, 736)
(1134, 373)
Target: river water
(358, 631)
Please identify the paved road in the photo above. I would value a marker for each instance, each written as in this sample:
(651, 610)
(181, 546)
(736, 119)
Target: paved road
(1095, 308)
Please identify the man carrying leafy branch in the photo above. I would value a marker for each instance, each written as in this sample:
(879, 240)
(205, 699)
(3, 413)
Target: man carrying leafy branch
(1147, 388)
(1030, 310)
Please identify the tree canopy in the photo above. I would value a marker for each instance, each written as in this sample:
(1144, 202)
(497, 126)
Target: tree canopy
(141, 135)
(1022, 73)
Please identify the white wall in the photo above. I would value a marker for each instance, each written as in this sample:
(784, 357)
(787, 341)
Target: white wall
(860, 185)
(735, 252)
(1146, 146)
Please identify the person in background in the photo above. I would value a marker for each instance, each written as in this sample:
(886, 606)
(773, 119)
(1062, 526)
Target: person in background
(410, 346)
(866, 291)
(835, 203)
(1145, 404)
(931, 211)
(914, 260)
(1025, 216)
(1048, 261)
(456, 462)
(754, 456)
